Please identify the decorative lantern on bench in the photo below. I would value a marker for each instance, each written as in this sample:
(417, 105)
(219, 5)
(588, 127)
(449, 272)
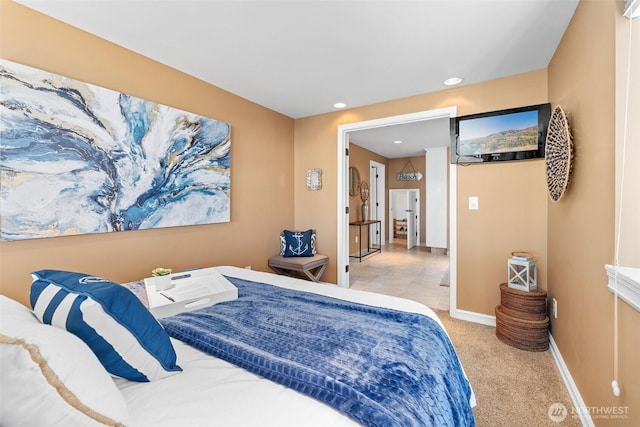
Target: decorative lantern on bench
(521, 269)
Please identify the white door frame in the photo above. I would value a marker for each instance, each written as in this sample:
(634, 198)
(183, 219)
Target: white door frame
(408, 191)
(342, 240)
(415, 213)
(378, 195)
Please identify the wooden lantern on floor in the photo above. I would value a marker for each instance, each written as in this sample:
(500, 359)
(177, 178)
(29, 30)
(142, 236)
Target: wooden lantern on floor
(522, 272)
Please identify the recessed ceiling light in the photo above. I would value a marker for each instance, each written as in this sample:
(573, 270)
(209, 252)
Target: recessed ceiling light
(339, 105)
(397, 141)
(453, 81)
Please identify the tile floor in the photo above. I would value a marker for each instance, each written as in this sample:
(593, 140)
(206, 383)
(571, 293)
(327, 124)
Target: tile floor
(414, 274)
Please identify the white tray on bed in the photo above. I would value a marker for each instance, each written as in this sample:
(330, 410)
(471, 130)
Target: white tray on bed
(190, 290)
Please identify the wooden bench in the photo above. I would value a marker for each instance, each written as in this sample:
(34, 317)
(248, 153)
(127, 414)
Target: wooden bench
(308, 267)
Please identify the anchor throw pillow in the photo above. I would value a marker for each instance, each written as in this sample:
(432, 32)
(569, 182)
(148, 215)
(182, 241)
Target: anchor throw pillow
(298, 243)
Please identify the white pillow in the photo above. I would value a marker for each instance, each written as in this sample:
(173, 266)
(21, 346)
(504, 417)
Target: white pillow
(50, 377)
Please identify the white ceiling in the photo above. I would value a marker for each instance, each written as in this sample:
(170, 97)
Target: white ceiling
(415, 137)
(300, 57)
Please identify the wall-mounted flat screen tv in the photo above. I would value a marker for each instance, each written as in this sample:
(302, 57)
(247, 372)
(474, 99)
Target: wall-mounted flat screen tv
(513, 134)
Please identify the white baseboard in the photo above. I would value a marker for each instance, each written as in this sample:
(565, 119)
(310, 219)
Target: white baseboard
(471, 316)
(576, 398)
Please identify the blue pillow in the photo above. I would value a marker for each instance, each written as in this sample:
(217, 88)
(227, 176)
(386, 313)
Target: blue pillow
(298, 243)
(114, 323)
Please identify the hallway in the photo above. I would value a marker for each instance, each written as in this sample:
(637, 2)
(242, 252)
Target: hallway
(415, 274)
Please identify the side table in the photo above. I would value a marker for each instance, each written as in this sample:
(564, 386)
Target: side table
(521, 319)
(307, 267)
(371, 247)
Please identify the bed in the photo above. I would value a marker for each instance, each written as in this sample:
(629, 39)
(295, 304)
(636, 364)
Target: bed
(207, 390)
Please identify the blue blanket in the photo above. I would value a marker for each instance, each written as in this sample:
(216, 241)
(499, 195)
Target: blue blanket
(380, 367)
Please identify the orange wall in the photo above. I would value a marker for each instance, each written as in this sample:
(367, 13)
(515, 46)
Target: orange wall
(262, 176)
(271, 153)
(512, 202)
(359, 158)
(582, 78)
(483, 248)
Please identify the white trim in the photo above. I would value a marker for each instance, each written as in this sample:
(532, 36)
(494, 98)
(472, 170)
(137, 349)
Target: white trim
(470, 316)
(343, 203)
(416, 229)
(342, 241)
(628, 284)
(574, 393)
(380, 198)
(453, 241)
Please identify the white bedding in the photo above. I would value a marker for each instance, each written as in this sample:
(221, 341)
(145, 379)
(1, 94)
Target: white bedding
(212, 392)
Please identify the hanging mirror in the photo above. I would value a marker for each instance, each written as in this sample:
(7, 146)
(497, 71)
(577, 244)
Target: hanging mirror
(354, 181)
(364, 192)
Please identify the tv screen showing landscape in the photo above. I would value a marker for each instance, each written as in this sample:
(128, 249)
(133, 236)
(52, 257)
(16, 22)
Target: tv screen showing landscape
(498, 134)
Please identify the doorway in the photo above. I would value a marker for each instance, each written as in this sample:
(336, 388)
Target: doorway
(343, 193)
(378, 182)
(404, 216)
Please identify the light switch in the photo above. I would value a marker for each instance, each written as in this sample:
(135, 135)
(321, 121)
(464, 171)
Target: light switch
(473, 203)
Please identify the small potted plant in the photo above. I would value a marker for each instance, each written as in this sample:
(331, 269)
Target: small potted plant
(162, 278)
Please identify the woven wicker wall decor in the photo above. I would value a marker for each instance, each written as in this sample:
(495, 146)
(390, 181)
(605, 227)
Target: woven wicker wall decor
(558, 153)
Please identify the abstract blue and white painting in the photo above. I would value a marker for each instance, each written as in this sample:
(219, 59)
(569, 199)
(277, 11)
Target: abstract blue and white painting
(77, 158)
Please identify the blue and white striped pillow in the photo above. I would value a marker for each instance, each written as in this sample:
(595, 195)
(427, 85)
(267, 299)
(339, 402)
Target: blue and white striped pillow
(113, 322)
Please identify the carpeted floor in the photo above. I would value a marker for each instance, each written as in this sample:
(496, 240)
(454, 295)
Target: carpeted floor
(512, 387)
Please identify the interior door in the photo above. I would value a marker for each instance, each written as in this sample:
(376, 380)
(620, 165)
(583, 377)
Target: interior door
(378, 208)
(412, 209)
